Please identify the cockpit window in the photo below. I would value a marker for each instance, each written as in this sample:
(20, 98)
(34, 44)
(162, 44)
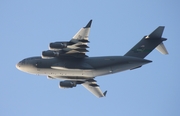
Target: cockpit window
(23, 61)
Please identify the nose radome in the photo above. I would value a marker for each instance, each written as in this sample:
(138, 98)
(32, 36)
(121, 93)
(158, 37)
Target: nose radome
(18, 66)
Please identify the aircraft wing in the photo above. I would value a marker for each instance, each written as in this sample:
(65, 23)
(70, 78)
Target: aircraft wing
(89, 84)
(92, 86)
(79, 42)
(76, 47)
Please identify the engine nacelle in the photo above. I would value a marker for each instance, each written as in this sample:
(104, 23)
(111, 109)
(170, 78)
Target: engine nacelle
(67, 84)
(58, 45)
(50, 54)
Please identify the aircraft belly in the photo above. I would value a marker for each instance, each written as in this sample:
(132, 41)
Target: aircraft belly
(68, 73)
(102, 71)
(119, 68)
(122, 67)
(115, 68)
(110, 70)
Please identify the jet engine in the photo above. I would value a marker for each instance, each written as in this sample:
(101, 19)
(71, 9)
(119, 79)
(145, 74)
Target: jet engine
(58, 45)
(50, 54)
(67, 84)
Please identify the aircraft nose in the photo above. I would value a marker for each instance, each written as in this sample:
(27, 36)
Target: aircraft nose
(18, 66)
(26, 66)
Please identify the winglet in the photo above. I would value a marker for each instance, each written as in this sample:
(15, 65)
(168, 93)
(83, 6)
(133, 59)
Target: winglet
(89, 24)
(105, 93)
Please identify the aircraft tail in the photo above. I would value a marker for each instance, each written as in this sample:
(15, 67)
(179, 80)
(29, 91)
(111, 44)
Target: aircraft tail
(148, 43)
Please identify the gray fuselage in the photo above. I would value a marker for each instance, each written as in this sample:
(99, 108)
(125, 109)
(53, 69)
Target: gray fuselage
(79, 68)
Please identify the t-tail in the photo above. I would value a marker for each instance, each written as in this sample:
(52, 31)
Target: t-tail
(148, 43)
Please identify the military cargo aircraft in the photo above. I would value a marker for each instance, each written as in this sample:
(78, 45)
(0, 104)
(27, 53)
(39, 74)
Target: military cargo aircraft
(69, 62)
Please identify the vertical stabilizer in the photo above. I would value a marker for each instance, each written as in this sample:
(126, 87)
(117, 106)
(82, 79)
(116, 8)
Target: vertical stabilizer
(157, 33)
(149, 43)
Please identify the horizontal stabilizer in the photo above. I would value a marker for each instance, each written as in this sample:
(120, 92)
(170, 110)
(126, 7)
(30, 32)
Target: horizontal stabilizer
(162, 49)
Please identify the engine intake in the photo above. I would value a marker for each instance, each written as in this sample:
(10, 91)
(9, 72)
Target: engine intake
(67, 84)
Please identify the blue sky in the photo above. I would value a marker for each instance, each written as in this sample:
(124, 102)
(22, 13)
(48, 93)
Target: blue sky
(27, 27)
